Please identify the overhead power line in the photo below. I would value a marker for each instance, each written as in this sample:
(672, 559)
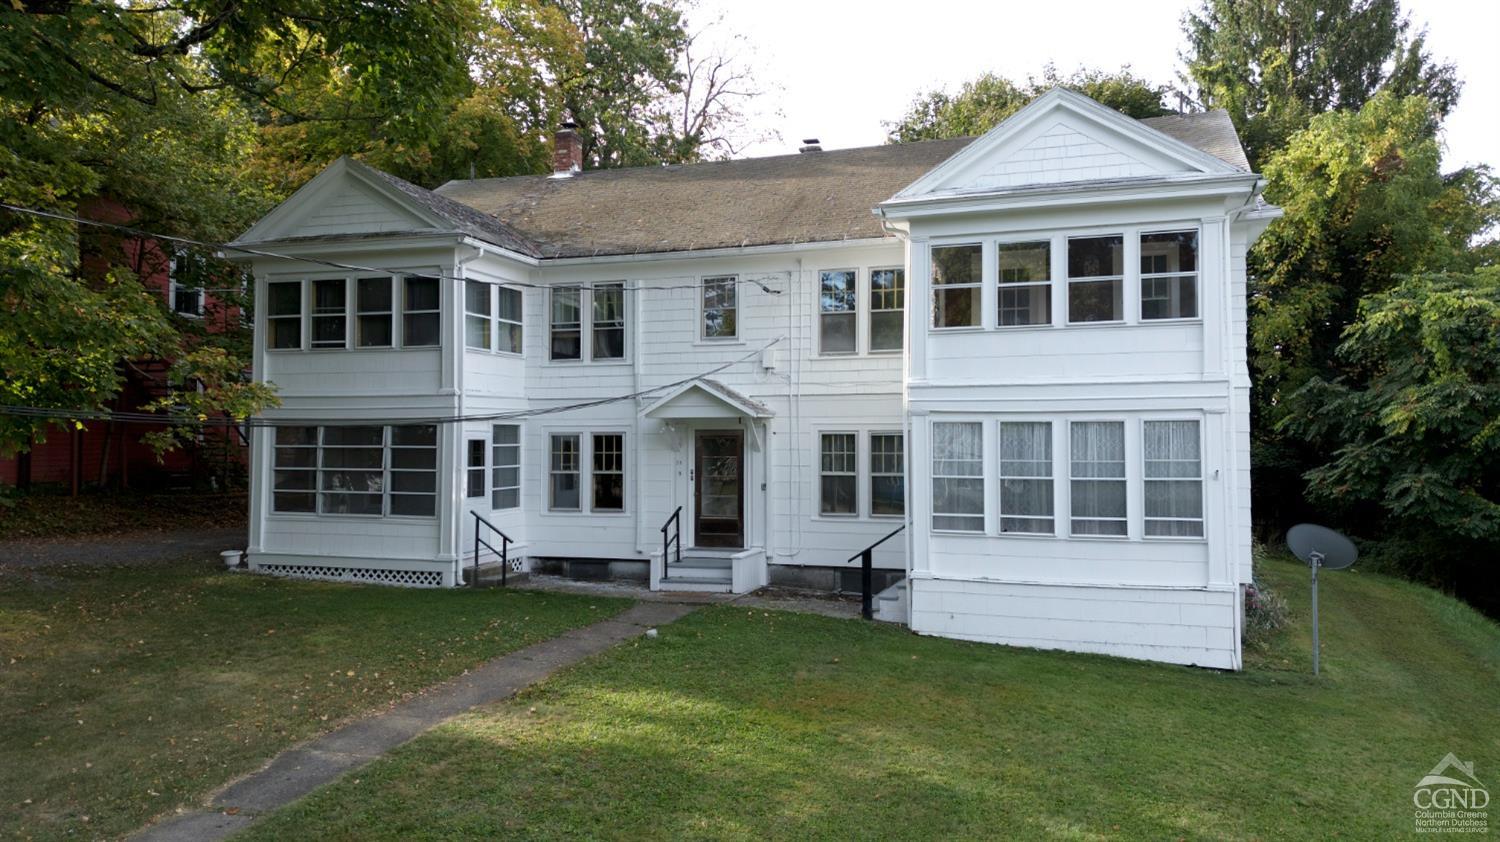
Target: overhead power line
(348, 267)
(180, 420)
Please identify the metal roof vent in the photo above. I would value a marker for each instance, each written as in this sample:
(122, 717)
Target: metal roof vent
(810, 144)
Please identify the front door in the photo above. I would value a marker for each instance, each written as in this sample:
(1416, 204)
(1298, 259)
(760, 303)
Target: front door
(719, 513)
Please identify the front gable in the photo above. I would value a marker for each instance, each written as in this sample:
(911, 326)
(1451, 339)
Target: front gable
(1063, 137)
(341, 199)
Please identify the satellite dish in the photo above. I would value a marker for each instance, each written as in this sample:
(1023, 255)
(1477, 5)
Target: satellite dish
(1321, 546)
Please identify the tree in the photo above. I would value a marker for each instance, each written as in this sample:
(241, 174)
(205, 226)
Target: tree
(1411, 436)
(1275, 64)
(981, 104)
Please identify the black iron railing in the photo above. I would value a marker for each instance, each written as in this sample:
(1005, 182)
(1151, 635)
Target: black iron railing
(671, 538)
(866, 558)
(503, 552)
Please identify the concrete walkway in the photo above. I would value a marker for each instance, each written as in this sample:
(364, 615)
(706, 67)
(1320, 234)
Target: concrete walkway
(298, 771)
(128, 548)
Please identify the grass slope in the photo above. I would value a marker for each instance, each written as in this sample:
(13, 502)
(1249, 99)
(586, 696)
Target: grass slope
(125, 692)
(747, 725)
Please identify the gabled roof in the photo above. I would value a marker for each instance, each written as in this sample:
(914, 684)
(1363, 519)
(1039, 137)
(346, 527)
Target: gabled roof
(680, 403)
(461, 217)
(784, 199)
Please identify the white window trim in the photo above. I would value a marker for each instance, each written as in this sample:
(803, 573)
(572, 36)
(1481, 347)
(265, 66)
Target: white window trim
(819, 313)
(264, 340)
(1051, 284)
(623, 472)
(492, 300)
(400, 306)
(358, 313)
(987, 487)
(586, 471)
(520, 466)
(871, 310)
(868, 464)
(386, 447)
(1128, 480)
(549, 472)
(483, 467)
(586, 322)
(1126, 237)
(624, 323)
(173, 288)
(552, 326)
(701, 331)
(857, 473)
(313, 315)
(1001, 477)
(500, 320)
(986, 249)
(1142, 277)
(1202, 480)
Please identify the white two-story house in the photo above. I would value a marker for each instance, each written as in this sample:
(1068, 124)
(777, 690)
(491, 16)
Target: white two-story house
(1024, 351)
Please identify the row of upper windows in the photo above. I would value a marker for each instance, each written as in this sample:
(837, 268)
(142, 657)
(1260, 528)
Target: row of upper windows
(1095, 281)
(354, 312)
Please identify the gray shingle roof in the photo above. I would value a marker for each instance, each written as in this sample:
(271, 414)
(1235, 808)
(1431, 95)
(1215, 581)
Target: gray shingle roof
(814, 197)
(464, 218)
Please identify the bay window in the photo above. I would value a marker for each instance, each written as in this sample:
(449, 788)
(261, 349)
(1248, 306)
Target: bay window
(1173, 471)
(1096, 279)
(956, 280)
(958, 476)
(1025, 271)
(1097, 478)
(837, 311)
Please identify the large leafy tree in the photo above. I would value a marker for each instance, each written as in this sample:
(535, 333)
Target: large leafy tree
(982, 103)
(1275, 64)
(1411, 431)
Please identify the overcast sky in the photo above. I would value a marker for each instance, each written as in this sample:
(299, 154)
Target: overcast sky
(836, 70)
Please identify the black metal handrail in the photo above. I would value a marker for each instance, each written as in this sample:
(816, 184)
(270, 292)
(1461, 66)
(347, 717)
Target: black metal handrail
(866, 558)
(503, 552)
(675, 524)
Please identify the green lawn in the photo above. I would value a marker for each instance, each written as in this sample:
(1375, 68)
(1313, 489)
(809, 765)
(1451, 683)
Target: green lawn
(126, 692)
(748, 725)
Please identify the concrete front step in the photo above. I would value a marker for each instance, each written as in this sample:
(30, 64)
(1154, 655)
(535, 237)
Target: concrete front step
(890, 604)
(696, 584)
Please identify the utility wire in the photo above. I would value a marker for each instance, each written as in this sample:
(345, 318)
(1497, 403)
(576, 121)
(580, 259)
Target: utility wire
(261, 421)
(350, 267)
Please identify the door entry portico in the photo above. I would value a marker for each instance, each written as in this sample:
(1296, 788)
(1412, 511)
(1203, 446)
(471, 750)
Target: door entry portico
(719, 488)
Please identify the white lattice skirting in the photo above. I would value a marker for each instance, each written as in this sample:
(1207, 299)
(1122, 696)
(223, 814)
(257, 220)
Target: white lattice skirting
(380, 576)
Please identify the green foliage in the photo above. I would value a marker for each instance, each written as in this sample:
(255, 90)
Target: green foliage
(1275, 64)
(981, 104)
(1416, 429)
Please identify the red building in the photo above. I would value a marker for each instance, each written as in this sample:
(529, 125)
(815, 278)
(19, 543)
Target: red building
(105, 454)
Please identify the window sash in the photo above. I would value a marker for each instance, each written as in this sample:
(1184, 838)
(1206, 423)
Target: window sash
(1172, 469)
(887, 475)
(608, 325)
(1026, 484)
(284, 315)
(475, 471)
(720, 317)
(608, 475)
(958, 476)
(887, 309)
(421, 320)
(369, 471)
(505, 466)
(1098, 489)
(1094, 294)
(509, 331)
(838, 474)
(566, 323)
(330, 317)
(956, 293)
(564, 471)
(373, 311)
(478, 315)
(838, 308)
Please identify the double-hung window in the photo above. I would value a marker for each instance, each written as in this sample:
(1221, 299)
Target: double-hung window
(837, 311)
(505, 466)
(185, 299)
(372, 313)
(567, 323)
(608, 477)
(351, 475)
(508, 330)
(1026, 477)
(1169, 275)
(563, 472)
(839, 474)
(1096, 279)
(284, 314)
(887, 475)
(329, 314)
(1097, 478)
(608, 322)
(721, 308)
(958, 476)
(477, 315)
(421, 314)
(413, 470)
(474, 478)
(1173, 473)
(887, 308)
(957, 273)
(1025, 283)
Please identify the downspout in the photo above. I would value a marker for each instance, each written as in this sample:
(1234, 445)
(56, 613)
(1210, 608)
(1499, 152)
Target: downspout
(909, 538)
(456, 464)
(636, 318)
(794, 414)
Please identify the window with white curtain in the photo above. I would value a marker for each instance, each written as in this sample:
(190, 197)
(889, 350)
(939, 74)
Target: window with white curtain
(839, 474)
(837, 311)
(505, 466)
(1097, 475)
(1026, 477)
(958, 475)
(1173, 474)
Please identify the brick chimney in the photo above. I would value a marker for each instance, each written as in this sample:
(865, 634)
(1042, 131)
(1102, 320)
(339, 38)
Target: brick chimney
(567, 151)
